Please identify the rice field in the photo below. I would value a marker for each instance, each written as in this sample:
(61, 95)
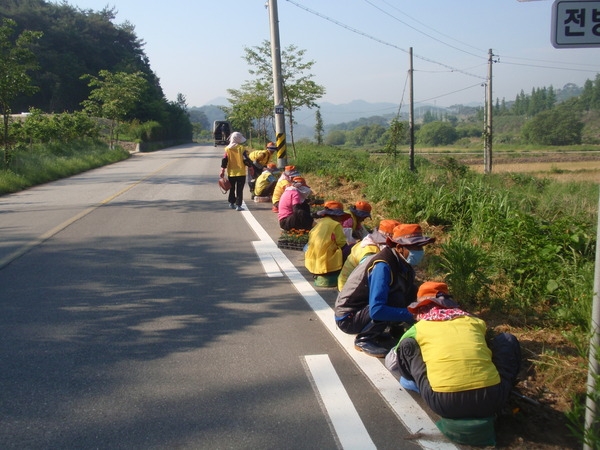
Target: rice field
(560, 171)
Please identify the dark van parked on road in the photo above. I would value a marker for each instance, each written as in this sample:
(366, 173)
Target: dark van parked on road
(221, 131)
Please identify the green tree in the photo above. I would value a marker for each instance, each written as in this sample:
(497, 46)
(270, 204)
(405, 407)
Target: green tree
(587, 95)
(437, 133)
(16, 61)
(590, 96)
(359, 135)
(521, 104)
(558, 126)
(198, 117)
(181, 102)
(114, 96)
(299, 90)
(429, 117)
(65, 127)
(396, 132)
(319, 127)
(75, 42)
(251, 105)
(78, 42)
(335, 137)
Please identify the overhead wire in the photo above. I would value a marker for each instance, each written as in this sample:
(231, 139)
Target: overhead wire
(550, 62)
(403, 92)
(572, 69)
(446, 66)
(436, 31)
(370, 2)
(450, 93)
(381, 41)
(419, 31)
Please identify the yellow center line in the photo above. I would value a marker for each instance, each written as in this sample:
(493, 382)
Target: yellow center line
(48, 234)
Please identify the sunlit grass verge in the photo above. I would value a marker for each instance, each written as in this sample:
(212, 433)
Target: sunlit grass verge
(515, 242)
(48, 162)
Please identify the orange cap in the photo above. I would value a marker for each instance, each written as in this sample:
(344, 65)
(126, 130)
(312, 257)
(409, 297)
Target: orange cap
(387, 226)
(410, 234)
(300, 180)
(432, 292)
(430, 289)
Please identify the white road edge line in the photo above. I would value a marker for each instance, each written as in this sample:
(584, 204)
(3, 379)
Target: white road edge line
(408, 411)
(347, 424)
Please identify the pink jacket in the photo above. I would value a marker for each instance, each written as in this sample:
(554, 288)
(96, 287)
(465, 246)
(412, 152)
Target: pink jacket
(289, 198)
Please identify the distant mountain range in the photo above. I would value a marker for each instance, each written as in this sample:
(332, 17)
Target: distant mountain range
(332, 114)
(335, 115)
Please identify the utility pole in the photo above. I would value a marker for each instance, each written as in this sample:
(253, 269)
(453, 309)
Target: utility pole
(277, 86)
(487, 153)
(593, 365)
(411, 113)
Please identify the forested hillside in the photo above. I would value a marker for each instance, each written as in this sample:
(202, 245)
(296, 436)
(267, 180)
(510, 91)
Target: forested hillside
(546, 116)
(79, 42)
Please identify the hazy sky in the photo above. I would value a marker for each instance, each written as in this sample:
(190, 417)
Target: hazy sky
(360, 47)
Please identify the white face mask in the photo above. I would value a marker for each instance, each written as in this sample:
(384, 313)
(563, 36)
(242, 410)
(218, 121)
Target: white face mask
(415, 257)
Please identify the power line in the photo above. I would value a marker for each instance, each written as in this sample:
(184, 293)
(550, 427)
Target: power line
(550, 67)
(354, 30)
(552, 62)
(448, 71)
(597, 69)
(450, 93)
(426, 26)
(419, 31)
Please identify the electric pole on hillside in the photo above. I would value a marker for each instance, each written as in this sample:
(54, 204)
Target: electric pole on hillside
(277, 86)
(487, 153)
(411, 113)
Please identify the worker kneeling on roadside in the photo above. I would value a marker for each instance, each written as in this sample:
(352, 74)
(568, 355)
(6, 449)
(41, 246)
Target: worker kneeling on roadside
(294, 208)
(372, 304)
(445, 357)
(265, 183)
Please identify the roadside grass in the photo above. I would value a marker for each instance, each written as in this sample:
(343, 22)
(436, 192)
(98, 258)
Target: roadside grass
(514, 247)
(536, 233)
(41, 163)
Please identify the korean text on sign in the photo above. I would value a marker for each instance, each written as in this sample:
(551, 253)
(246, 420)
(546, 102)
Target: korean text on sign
(576, 24)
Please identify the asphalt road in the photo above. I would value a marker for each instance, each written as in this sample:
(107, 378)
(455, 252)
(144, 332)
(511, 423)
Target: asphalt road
(137, 311)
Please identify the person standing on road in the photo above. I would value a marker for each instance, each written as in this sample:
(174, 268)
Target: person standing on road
(235, 160)
(377, 292)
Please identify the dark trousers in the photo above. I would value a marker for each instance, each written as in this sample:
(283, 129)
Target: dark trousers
(254, 172)
(367, 329)
(236, 193)
(474, 403)
(301, 218)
